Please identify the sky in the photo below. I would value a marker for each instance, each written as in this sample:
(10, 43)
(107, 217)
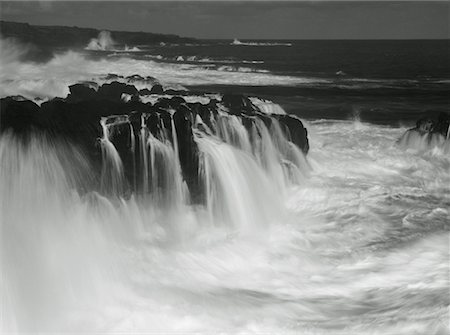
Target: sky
(313, 19)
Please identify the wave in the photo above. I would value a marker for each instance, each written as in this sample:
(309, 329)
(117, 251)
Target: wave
(253, 61)
(369, 224)
(237, 42)
(242, 69)
(105, 42)
(52, 78)
(198, 59)
(267, 107)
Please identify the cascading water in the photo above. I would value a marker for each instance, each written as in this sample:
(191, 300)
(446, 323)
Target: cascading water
(230, 158)
(235, 186)
(425, 141)
(57, 253)
(76, 262)
(357, 245)
(112, 176)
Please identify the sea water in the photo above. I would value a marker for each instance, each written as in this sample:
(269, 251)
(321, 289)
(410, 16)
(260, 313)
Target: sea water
(356, 243)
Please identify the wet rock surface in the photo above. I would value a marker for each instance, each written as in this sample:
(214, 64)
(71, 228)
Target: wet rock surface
(171, 118)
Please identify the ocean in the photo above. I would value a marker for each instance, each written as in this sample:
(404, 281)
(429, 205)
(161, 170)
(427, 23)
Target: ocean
(356, 243)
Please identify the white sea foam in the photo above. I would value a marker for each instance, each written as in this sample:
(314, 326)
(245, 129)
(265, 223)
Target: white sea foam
(203, 99)
(267, 107)
(103, 42)
(359, 245)
(238, 42)
(52, 78)
(362, 245)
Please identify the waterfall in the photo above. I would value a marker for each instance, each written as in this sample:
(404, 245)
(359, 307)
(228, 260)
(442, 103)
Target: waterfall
(68, 238)
(56, 251)
(240, 167)
(232, 131)
(416, 140)
(159, 173)
(237, 189)
(112, 175)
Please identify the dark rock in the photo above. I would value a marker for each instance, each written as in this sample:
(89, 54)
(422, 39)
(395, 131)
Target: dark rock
(238, 104)
(176, 102)
(175, 92)
(427, 133)
(157, 89)
(145, 91)
(114, 91)
(187, 147)
(163, 103)
(80, 92)
(424, 125)
(442, 125)
(17, 114)
(76, 120)
(295, 131)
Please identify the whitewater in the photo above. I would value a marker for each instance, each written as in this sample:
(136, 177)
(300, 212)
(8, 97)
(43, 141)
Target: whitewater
(356, 241)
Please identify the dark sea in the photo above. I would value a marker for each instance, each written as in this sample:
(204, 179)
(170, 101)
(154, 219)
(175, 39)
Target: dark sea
(380, 81)
(356, 241)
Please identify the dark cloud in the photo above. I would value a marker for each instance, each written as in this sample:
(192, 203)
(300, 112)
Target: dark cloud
(220, 19)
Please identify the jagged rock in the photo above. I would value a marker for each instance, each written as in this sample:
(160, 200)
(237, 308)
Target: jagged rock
(76, 119)
(428, 125)
(424, 125)
(297, 133)
(188, 151)
(114, 91)
(145, 91)
(238, 104)
(157, 89)
(171, 91)
(17, 114)
(176, 102)
(443, 124)
(428, 133)
(80, 92)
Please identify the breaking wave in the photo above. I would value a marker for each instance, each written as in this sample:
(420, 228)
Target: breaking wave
(238, 42)
(52, 78)
(103, 42)
(361, 243)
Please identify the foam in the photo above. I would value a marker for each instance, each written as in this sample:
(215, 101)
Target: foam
(257, 44)
(50, 79)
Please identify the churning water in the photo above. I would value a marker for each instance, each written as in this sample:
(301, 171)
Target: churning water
(354, 239)
(359, 244)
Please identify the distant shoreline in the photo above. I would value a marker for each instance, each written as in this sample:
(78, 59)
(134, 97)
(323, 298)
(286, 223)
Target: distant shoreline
(63, 36)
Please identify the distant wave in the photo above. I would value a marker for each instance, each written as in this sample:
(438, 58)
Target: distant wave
(51, 78)
(253, 62)
(237, 42)
(67, 68)
(133, 49)
(105, 42)
(228, 68)
(200, 59)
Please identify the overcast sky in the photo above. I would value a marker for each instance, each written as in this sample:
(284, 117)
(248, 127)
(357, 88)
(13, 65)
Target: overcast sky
(250, 19)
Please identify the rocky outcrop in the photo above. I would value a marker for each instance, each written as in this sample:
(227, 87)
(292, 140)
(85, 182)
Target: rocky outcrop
(83, 117)
(428, 133)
